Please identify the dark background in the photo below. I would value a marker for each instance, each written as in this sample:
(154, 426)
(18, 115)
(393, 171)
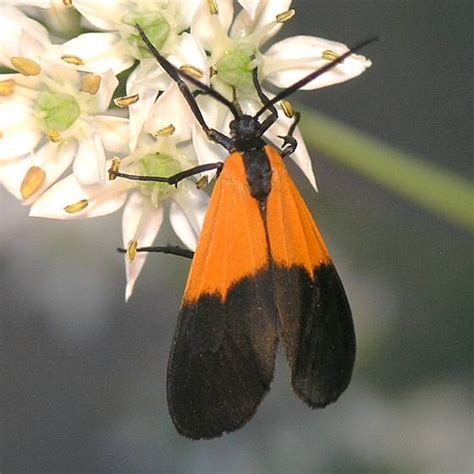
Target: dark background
(83, 374)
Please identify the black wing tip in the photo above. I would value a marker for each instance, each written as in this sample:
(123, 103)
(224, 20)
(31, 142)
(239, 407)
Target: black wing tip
(320, 400)
(222, 360)
(321, 344)
(197, 434)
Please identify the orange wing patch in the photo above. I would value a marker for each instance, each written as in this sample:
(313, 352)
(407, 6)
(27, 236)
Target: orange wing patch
(232, 243)
(294, 237)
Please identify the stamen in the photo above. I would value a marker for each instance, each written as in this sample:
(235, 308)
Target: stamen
(132, 250)
(287, 108)
(213, 7)
(212, 71)
(54, 136)
(126, 101)
(285, 16)
(329, 55)
(202, 182)
(91, 83)
(114, 168)
(192, 71)
(165, 131)
(77, 206)
(72, 59)
(25, 66)
(7, 87)
(67, 3)
(33, 180)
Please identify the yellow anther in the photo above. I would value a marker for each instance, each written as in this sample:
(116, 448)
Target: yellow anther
(54, 135)
(72, 59)
(7, 87)
(67, 3)
(132, 250)
(285, 16)
(287, 108)
(202, 182)
(90, 83)
(212, 71)
(192, 71)
(25, 66)
(77, 206)
(114, 168)
(329, 55)
(33, 180)
(213, 7)
(126, 101)
(165, 131)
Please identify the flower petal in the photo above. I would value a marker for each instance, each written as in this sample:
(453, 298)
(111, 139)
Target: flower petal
(53, 159)
(209, 29)
(250, 6)
(185, 11)
(102, 199)
(113, 132)
(104, 14)
(34, 44)
(259, 19)
(140, 222)
(19, 134)
(108, 84)
(99, 52)
(187, 211)
(188, 51)
(137, 83)
(32, 3)
(171, 109)
(89, 163)
(14, 24)
(293, 58)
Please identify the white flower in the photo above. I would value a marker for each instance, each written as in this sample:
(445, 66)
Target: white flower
(120, 45)
(56, 15)
(233, 50)
(49, 115)
(52, 113)
(145, 202)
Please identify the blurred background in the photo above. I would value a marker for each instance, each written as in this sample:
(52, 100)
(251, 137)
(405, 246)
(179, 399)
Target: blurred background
(83, 374)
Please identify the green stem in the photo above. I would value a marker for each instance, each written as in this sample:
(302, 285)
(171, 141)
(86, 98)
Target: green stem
(428, 185)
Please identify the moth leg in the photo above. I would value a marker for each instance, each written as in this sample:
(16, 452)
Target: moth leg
(289, 141)
(270, 120)
(172, 180)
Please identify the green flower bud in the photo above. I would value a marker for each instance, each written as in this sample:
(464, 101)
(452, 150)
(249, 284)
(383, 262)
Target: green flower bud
(158, 164)
(235, 68)
(153, 24)
(58, 110)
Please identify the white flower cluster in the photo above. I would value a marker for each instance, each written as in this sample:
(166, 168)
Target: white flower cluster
(60, 128)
